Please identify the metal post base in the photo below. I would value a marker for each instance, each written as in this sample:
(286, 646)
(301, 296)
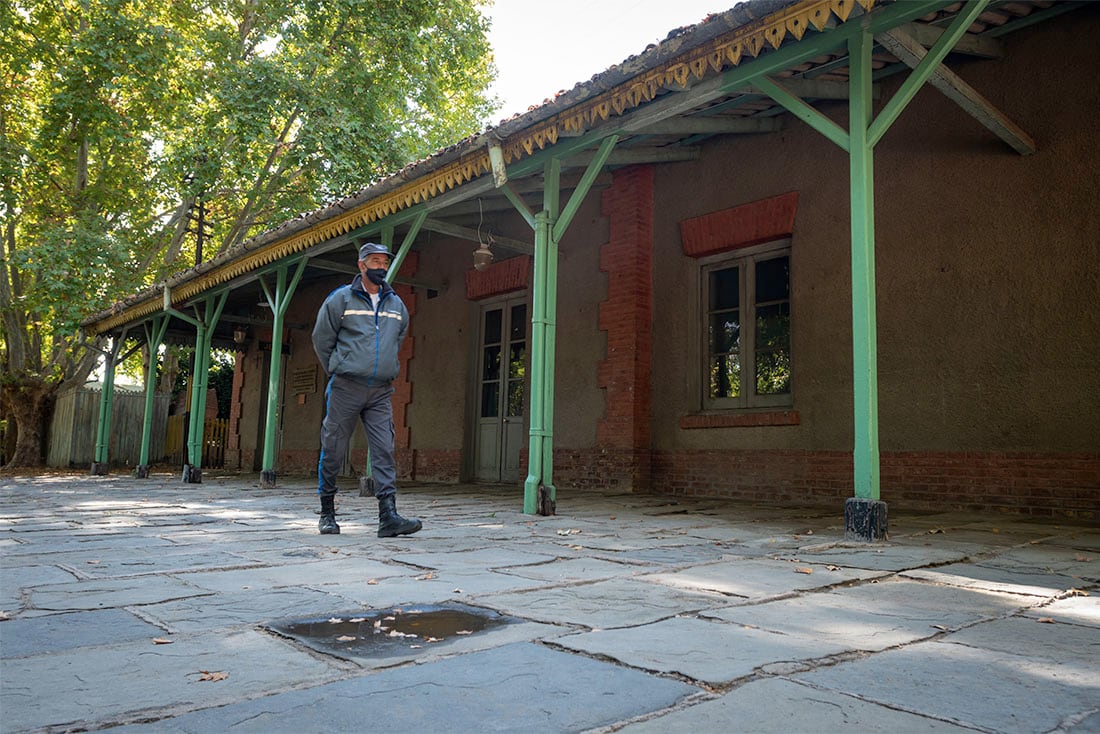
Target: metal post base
(366, 486)
(100, 469)
(547, 505)
(267, 479)
(192, 474)
(142, 471)
(864, 520)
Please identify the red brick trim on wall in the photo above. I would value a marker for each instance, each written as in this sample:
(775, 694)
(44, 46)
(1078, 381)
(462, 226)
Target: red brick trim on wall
(740, 420)
(506, 276)
(402, 387)
(626, 316)
(742, 226)
(1037, 485)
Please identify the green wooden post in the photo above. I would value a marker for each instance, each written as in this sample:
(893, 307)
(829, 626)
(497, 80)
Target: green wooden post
(279, 301)
(153, 338)
(100, 463)
(864, 341)
(200, 378)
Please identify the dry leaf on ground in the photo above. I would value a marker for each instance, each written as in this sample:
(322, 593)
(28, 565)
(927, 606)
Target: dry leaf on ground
(161, 641)
(345, 638)
(804, 569)
(209, 675)
(1046, 620)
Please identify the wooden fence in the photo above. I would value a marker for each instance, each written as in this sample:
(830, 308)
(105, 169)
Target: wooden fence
(75, 420)
(214, 434)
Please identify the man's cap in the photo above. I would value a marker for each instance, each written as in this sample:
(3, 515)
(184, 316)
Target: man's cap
(372, 248)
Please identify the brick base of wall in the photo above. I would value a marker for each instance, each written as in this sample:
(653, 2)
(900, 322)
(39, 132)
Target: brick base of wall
(1038, 485)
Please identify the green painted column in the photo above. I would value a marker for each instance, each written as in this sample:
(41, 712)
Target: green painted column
(154, 335)
(864, 334)
(100, 464)
(204, 322)
(278, 301)
(535, 453)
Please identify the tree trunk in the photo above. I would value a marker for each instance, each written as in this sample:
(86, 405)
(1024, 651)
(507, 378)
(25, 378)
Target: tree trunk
(27, 402)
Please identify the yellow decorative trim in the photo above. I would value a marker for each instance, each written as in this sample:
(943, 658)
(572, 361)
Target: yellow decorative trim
(713, 57)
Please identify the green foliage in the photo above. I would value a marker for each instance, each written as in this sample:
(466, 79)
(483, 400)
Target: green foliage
(118, 117)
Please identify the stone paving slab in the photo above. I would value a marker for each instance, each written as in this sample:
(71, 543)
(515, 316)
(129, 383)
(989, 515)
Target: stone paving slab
(433, 587)
(480, 558)
(778, 706)
(874, 616)
(13, 582)
(602, 605)
(759, 578)
(331, 570)
(977, 576)
(877, 557)
(1050, 559)
(575, 569)
(236, 608)
(51, 633)
(985, 689)
(107, 593)
(126, 681)
(516, 688)
(1074, 610)
(1059, 643)
(714, 653)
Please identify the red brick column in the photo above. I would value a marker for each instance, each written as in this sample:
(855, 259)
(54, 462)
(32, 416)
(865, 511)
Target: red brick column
(402, 387)
(627, 316)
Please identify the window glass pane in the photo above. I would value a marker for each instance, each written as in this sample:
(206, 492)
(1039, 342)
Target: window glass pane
(490, 396)
(725, 332)
(773, 279)
(518, 326)
(773, 326)
(515, 397)
(725, 376)
(725, 292)
(493, 326)
(773, 372)
(516, 356)
(490, 364)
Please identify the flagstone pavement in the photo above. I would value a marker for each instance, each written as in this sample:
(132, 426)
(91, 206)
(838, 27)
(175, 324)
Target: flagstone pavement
(148, 605)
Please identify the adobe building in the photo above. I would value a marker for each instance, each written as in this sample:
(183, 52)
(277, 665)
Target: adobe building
(804, 252)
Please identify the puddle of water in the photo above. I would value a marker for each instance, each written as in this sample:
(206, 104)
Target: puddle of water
(377, 633)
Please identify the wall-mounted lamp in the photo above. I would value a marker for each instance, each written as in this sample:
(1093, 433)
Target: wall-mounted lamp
(239, 335)
(483, 257)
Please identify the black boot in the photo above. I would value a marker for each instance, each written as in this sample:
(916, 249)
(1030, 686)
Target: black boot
(327, 524)
(390, 524)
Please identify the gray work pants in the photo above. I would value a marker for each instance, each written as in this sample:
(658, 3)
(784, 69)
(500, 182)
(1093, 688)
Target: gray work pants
(346, 403)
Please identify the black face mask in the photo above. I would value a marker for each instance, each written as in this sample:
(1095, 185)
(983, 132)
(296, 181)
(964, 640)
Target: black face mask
(376, 275)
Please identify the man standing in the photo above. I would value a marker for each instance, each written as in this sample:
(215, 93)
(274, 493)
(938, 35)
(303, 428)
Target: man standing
(358, 333)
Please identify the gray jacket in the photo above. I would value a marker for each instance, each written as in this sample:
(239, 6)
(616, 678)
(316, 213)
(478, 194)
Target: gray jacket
(352, 339)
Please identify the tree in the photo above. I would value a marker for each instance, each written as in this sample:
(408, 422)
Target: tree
(119, 119)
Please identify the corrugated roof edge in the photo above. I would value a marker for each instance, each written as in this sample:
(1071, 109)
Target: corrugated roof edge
(678, 41)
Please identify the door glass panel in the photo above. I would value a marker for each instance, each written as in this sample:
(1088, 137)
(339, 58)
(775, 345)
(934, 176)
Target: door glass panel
(517, 327)
(493, 325)
(490, 397)
(490, 363)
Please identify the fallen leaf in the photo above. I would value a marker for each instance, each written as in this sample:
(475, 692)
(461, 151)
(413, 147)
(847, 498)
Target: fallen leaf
(611, 518)
(333, 550)
(464, 632)
(570, 531)
(345, 638)
(996, 530)
(335, 620)
(833, 568)
(1082, 558)
(809, 532)
(432, 639)
(1077, 592)
(939, 627)
(161, 641)
(426, 577)
(213, 676)
(935, 531)
(4, 616)
(456, 591)
(372, 582)
(1046, 620)
(804, 569)
(93, 563)
(357, 620)
(415, 647)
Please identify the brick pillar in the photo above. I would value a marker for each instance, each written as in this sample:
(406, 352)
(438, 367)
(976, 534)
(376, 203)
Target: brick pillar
(627, 316)
(402, 387)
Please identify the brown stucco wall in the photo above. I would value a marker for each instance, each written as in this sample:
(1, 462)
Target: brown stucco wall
(987, 267)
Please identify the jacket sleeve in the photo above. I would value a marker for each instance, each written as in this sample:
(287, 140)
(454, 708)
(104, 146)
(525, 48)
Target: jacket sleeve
(326, 328)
